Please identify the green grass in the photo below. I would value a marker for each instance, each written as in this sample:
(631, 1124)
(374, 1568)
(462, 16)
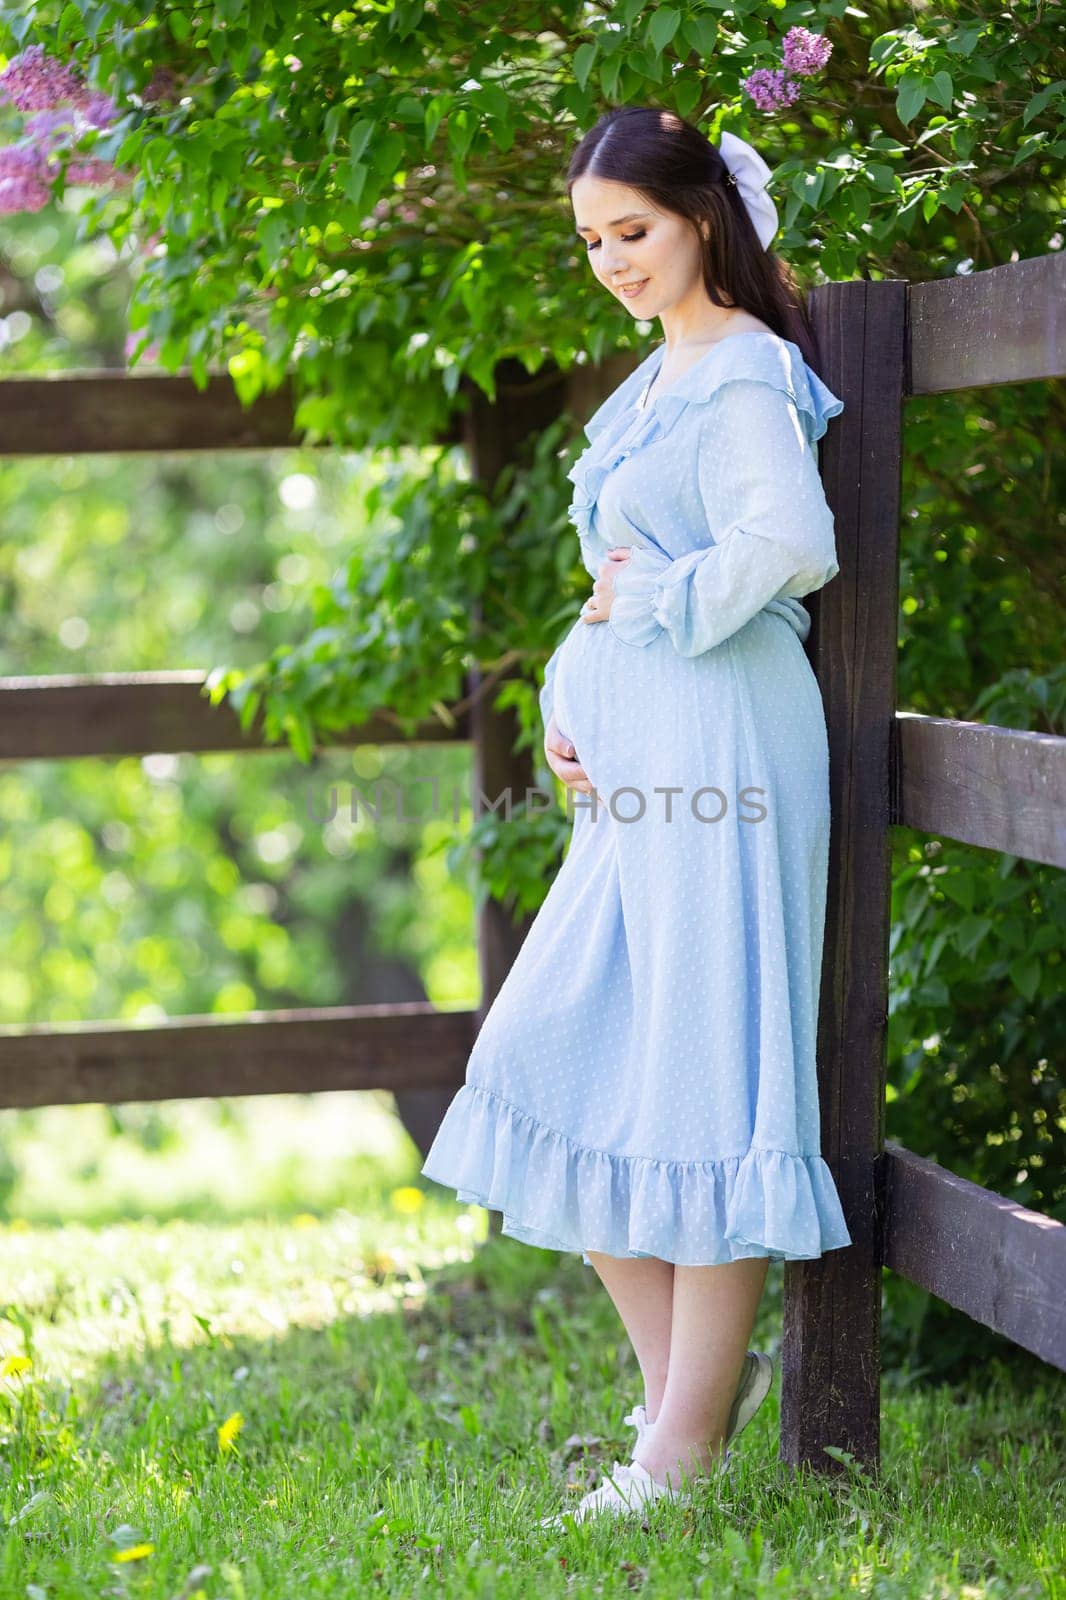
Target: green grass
(404, 1402)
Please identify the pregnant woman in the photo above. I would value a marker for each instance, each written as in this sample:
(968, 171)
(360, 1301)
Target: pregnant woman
(643, 1088)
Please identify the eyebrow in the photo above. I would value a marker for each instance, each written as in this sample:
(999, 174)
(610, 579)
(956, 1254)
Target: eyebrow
(618, 221)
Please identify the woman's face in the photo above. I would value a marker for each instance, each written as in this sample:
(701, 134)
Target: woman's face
(629, 243)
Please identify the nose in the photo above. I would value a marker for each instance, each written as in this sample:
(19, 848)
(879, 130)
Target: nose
(612, 267)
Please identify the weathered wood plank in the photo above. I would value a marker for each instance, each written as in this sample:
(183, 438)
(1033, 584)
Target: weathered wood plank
(1001, 1263)
(401, 1046)
(831, 1344)
(83, 413)
(1001, 788)
(1004, 325)
(90, 413)
(150, 713)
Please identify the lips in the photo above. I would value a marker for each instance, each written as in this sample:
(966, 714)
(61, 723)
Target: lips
(632, 290)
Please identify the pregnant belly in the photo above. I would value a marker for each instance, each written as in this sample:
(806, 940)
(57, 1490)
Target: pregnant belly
(645, 716)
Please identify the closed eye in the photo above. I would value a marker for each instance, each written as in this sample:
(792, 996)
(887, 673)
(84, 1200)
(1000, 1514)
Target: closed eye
(627, 238)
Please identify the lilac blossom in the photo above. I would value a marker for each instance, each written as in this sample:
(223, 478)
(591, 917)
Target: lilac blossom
(33, 81)
(23, 180)
(61, 109)
(50, 129)
(805, 53)
(162, 85)
(99, 110)
(771, 90)
(90, 170)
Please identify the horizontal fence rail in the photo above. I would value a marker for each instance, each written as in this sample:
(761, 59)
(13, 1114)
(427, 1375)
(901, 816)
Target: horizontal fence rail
(89, 413)
(406, 1045)
(1004, 325)
(161, 713)
(94, 413)
(1001, 1263)
(1002, 788)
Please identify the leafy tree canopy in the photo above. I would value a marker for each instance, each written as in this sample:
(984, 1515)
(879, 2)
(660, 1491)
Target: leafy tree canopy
(372, 198)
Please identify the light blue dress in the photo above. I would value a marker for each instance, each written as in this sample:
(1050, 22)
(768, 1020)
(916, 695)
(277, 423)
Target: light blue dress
(644, 1082)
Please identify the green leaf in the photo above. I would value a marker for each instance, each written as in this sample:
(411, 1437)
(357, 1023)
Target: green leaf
(910, 97)
(19, 27)
(942, 90)
(963, 41)
(970, 933)
(808, 186)
(1040, 101)
(355, 176)
(360, 137)
(959, 887)
(331, 125)
(1025, 975)
(609, 73)
(701, 32)
(69, 21)
(885, 48)
(584, 56)
(662, 27)
(861, 200)
(882, 177)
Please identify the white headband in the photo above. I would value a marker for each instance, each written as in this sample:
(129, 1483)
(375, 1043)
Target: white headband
(750, 174)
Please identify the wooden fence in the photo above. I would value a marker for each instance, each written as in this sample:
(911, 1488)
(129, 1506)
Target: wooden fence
(879, 342)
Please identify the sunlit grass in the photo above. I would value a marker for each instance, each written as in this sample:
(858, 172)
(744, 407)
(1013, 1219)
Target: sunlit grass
(367, 1398)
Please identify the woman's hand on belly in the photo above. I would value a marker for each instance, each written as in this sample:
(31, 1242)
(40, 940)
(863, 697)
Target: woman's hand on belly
(559, 753)
(597, 607)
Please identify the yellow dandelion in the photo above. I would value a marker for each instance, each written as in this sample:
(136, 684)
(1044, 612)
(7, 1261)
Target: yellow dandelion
(136, 1552)
(229, 1431)
(14, 1364)
(304, 1219)
(408, 1199)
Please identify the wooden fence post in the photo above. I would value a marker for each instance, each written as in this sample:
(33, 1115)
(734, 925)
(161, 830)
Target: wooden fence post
(493, 433)
(831, 1357)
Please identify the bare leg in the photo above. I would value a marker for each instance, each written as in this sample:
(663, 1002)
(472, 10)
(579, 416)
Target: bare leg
(713, 1315)
(642, 1288)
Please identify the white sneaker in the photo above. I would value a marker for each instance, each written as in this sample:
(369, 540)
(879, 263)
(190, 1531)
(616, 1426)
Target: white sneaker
(626, 1487)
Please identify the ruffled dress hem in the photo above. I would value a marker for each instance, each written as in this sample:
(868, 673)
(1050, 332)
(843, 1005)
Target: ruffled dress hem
(776, 1203)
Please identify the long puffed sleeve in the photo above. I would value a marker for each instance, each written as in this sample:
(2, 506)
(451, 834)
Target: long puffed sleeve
(766, 510)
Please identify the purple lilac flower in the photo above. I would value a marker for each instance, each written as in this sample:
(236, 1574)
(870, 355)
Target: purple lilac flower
(90, 170)
(23, 181)
(99, 110)
(33, 81)
(771, 90)
(805, 53)
(50, 129)
(162, 85)
(38, 84)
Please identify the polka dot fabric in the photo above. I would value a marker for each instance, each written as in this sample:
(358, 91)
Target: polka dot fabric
(644, 1082)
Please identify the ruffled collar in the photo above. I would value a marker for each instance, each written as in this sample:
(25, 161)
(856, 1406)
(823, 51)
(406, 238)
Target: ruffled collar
(615, 434)
(759, 355)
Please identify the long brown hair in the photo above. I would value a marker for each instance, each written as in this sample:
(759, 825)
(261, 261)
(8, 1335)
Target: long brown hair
(676, 168)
